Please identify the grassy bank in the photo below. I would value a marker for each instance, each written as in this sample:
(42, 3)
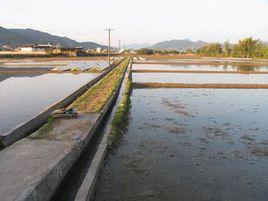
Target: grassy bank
(120, 119)
(97, 96)
(93, 100)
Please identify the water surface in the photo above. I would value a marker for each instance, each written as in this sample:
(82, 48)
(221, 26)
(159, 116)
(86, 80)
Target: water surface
(200, 78)
(245, 68)
(23, 97)
(191, 145)
(84, 65)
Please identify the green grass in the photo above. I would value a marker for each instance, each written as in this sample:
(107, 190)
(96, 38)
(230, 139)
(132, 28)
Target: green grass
(94, 70)
(120, 119)
(44, 130)
(97, 96)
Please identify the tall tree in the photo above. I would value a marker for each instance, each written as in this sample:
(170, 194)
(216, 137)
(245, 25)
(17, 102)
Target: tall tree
(227, 49)
(246, 48)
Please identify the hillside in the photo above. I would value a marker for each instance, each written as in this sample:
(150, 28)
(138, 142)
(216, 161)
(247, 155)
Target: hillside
(179, 45)
(18, 37)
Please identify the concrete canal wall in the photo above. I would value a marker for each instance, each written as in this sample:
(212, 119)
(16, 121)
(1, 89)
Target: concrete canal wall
(30, 126)
(33, 168)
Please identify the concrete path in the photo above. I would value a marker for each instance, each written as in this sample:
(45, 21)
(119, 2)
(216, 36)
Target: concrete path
(32, 168)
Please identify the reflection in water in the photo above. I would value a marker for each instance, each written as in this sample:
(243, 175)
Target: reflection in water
(84, 65)
(191, 144)
(6, 76)
(201, 67)
(23, 97)
(200, 78)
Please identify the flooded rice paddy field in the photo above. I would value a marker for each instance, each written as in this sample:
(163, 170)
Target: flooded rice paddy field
(200, 78)
(84, 65)
(60, 65)
(200, 67)
(190, 144)
(24, 96)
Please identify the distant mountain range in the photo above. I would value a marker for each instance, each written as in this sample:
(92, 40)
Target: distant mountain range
(19, 37)
(179, 45)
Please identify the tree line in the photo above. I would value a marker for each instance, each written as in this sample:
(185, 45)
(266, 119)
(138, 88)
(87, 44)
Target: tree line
(148, 51)
(245, 48)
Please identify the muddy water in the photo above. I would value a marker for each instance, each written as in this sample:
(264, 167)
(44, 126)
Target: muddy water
(197, 78)
(190, 144)
(23, 97)
(200, 67)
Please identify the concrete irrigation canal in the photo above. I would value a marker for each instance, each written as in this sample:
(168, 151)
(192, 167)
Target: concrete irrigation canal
(148, 131)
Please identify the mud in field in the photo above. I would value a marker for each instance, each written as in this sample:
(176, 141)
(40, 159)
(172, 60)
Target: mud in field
(218, 152)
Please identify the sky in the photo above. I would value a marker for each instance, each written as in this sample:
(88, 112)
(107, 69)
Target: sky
(140, 21)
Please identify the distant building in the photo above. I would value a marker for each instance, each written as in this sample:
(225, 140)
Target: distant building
(38, 48)
(6, 48)
(27, 48)
(121, 51)
(98, 50)
(42, 47)
(133, 52)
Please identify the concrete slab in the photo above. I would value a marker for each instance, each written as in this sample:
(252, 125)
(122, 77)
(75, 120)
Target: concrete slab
(32, 168)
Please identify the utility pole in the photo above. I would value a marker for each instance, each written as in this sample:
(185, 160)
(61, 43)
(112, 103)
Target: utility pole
(119, 45)
(109, 44)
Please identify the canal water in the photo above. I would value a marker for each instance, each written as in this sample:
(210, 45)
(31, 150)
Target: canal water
(24, 96)
(245, 68)
(190, 144)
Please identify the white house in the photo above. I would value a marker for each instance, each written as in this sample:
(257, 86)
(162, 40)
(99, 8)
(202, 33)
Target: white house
(27, 48)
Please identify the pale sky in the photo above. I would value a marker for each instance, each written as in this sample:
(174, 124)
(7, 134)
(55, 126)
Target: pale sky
(140, 21)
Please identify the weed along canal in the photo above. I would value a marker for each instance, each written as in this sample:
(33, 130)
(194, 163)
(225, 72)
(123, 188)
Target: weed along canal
(140, 132)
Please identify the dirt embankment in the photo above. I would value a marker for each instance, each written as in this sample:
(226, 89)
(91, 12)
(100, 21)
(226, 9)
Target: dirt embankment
(198, 71)
(205, 86)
